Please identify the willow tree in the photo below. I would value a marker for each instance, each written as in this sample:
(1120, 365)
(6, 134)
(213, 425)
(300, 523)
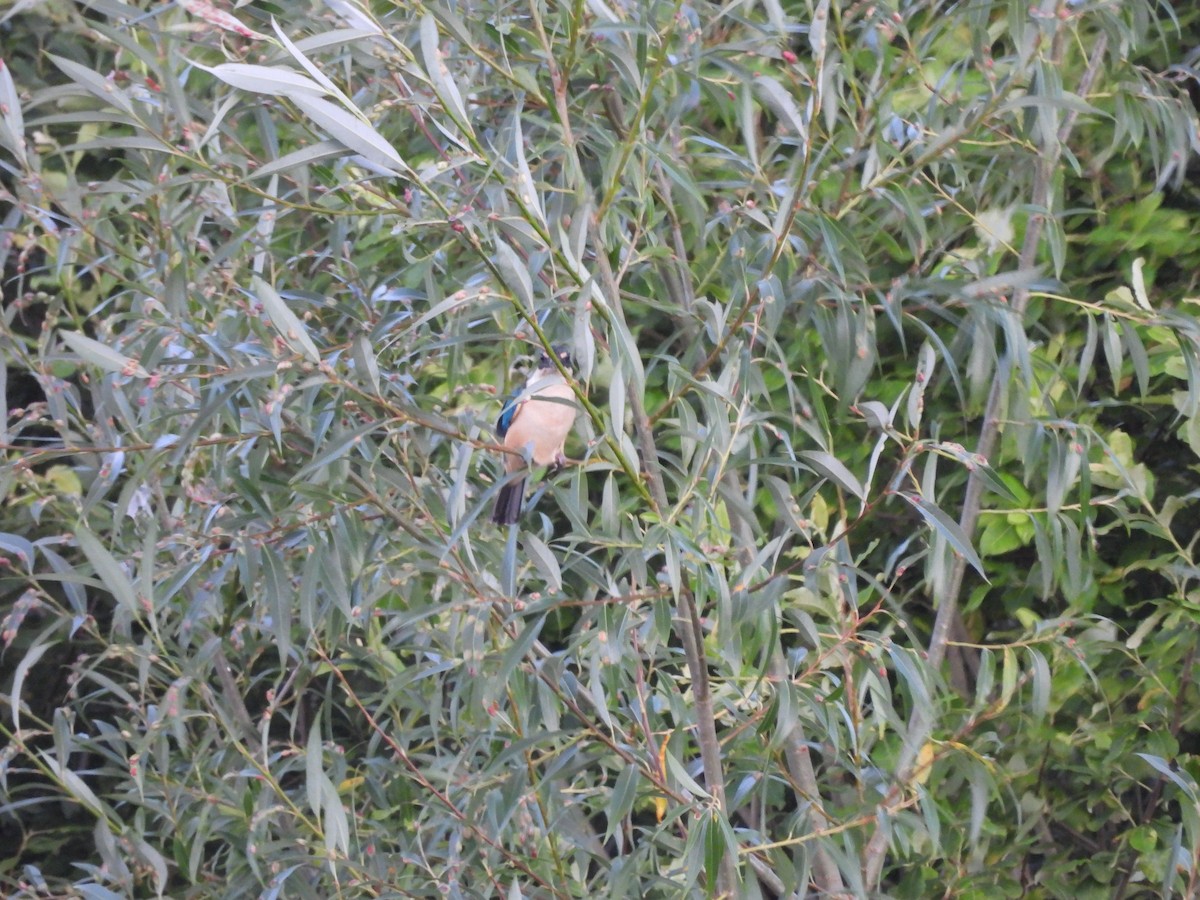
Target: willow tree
(873, 566)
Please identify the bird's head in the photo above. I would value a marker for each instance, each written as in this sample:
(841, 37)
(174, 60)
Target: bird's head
(564, 356)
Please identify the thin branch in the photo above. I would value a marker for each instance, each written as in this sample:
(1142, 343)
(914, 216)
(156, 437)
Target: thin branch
(948, 612)
(687, 616)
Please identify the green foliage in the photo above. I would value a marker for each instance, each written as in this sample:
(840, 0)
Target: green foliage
(883, 314)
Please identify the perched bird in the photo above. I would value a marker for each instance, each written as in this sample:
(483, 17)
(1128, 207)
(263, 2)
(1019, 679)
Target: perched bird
(536, 420)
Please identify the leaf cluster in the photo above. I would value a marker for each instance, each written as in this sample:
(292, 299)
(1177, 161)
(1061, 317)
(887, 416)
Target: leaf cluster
(874, 568)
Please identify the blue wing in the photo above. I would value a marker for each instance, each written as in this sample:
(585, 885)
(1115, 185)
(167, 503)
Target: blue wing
(508, 413)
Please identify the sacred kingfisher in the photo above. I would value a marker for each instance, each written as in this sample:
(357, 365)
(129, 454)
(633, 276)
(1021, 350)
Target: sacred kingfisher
(535, 422)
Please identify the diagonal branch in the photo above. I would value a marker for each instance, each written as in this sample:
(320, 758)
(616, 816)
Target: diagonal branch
(686, 618)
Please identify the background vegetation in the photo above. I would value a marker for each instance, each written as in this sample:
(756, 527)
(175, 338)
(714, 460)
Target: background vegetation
(877, 572)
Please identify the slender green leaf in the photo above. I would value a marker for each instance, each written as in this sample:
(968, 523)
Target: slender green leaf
(834, 469)
(353, 133)
(948, 529)
(101, 355)
(278, 81)
(286, 322)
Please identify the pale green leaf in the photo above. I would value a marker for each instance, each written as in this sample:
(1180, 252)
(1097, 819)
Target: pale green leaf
(777, 99)
(286, 322)
(278, 81)
(94, 83)
(353, 133)
(829, 466)
(948, 529)
(110, 572)
(102, 355)
(12, 123)
(439, 75)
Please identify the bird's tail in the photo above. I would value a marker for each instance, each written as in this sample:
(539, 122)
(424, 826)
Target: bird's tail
(509, 502)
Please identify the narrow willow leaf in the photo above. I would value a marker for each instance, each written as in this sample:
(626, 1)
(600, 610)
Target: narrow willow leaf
(74, 785)
(598, 695)
(108, 143)
(818, 30)
(19, 547)
(947, 528)
(877, 416)
(515, 273)
(695, 854)
(1139, 285)
(778, 18)
(1056, 478)
(352, 132)
(543, 557)
(12, 123)
(1165, 768)
(365, 363)
(748, 121)
(629, 358)
(715, 848)
(828, 69)
(317, 75)
(28, 661)
(278, 81)
(910, 674)
(777, 99)
(747, 574)
(102, 355)
(286, 322)
(1137, 357)
(280, 600)
(313, 153)
(831, 467)
(526, 190)
(334, 821)
(1088, 354)
(682, 778)
(514, 655)
(620, 802)
(1003, 282)
(1049, 560)
(1077, 574)
(314, 768)
(264, 228)
(364, 28)
(1112, 351)
(929, 815)
(616, 400)
(157, 864)
(1148, 625)
(1060, 99)
(926, 364)
(508, 564)
(1041, 682)
(1008, 677)
(980, 791)
(110, 572)
(334, 449)
(439, 75)
(986, 677)
(94, 83)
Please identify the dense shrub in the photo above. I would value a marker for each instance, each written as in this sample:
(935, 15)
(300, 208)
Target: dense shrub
(874, 571)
